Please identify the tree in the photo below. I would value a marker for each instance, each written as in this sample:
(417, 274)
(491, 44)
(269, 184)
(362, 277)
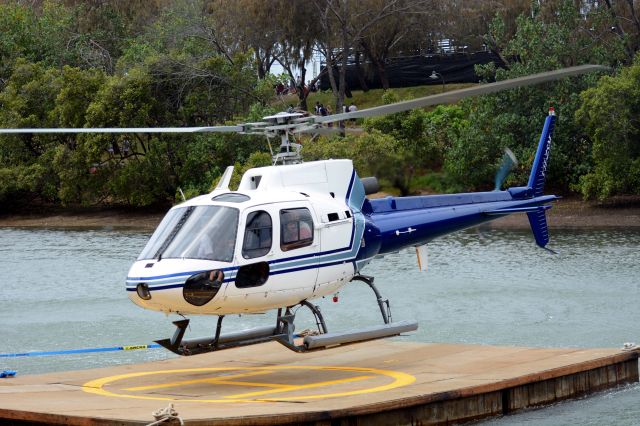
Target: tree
(51, 167)
(344, 24)
(380, 41)
(253, 25)
(297, 43)
(17, 37)
(479, 24)
(626, 24)
(609, 113)
(543, 41)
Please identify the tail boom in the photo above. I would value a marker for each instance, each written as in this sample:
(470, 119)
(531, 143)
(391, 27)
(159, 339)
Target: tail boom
(397, 222)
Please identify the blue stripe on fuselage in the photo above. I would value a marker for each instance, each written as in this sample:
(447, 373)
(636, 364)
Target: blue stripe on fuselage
(354, 198)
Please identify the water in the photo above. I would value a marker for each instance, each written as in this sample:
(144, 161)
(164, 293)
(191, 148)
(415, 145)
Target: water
(64, 289)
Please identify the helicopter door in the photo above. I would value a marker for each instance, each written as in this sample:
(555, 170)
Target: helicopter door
(277, 265)
(295, 270)
(256, 250)
(337, 243)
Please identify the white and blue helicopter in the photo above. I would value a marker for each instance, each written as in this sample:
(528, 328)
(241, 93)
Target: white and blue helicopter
(294, 232)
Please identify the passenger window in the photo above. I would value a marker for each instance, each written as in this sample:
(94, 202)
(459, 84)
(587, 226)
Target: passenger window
(253, 275)
(296, 228)
(257, 235)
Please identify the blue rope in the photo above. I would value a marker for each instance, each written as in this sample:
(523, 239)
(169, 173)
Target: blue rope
(82, 351)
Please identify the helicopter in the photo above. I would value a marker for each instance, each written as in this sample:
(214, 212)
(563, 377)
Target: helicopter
(298, 231)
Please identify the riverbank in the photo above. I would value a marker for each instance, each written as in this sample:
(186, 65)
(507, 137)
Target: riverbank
(566, 213)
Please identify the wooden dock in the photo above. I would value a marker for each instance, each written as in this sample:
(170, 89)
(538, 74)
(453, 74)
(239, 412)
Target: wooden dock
(378, 382)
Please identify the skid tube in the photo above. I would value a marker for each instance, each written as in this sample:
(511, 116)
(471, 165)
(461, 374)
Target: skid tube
(207, 344)
(326, 340)
(283, 331)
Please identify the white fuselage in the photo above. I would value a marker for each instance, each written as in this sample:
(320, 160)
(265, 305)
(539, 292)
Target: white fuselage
(268, 268)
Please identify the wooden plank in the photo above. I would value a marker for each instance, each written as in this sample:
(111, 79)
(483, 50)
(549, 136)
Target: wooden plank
(377, 382)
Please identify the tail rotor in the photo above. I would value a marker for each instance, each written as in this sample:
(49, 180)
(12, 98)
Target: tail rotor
(509, 161)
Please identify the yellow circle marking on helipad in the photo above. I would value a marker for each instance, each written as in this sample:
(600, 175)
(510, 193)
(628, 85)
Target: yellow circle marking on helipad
(265, 391)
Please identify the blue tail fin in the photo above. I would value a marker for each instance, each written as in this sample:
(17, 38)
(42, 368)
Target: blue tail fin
(538, 222)
(539, 170)
(538, 219)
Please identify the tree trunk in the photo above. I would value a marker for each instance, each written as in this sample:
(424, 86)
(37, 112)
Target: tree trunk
(342, 86)
(620, 31)
(301, 88)
(360, 74)
(636, 22)
(382, 73)
(332, 78)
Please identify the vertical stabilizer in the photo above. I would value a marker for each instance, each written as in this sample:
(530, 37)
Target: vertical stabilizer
(538, 219)
(539, 170)
(538, 222)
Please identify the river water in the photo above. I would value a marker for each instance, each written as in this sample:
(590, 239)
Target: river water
(64, 289)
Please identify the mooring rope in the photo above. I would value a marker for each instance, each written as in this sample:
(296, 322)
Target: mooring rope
(80, 351)
(165, 415)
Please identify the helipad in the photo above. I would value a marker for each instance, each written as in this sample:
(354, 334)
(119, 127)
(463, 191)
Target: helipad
(379, 382)
(249, 384)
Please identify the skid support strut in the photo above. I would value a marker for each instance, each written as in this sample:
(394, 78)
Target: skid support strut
(286, 326)
(385, 309)
(177, 345)
(322, 327)
(326, 339)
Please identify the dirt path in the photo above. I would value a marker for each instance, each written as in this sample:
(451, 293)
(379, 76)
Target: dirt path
(566, 213)
(93, 219)
(571, 213)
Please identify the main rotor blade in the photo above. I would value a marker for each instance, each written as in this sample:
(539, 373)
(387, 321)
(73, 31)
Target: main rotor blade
(456, 95)
(329, 130)
(237, 129)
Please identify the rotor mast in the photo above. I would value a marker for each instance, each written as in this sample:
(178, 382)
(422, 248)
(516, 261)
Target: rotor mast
(281, 125)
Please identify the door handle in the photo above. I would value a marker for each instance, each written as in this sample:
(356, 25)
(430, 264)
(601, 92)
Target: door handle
(408, 231)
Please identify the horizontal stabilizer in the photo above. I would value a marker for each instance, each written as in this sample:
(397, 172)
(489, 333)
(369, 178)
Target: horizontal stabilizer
(538, 222)
(518, 210)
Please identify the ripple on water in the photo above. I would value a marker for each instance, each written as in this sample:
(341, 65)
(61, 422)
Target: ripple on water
(64, 289)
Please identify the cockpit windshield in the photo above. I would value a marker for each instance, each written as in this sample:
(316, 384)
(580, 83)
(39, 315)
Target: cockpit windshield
(196, 232)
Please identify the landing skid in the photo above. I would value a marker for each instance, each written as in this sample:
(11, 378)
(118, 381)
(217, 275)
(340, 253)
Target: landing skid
(283, 332)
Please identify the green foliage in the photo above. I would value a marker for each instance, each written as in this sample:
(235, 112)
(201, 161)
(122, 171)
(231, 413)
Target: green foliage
(137, 170)
(256, 159)
(137, 64)
(422, 138)
(398, 147)
(514, 118)
(36, 96)
(373, 154)
(80, 36)
(610, 115)
(17, 36)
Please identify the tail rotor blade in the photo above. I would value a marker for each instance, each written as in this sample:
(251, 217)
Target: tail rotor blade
(509, 161)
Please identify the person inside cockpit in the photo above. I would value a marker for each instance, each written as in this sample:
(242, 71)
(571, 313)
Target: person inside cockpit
(295, 228)
(221, 249)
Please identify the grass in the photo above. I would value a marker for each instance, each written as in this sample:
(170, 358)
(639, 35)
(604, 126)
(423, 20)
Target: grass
(370, 98)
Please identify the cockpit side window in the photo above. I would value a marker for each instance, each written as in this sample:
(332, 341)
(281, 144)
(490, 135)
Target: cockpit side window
(257, 235)
(296, 228)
